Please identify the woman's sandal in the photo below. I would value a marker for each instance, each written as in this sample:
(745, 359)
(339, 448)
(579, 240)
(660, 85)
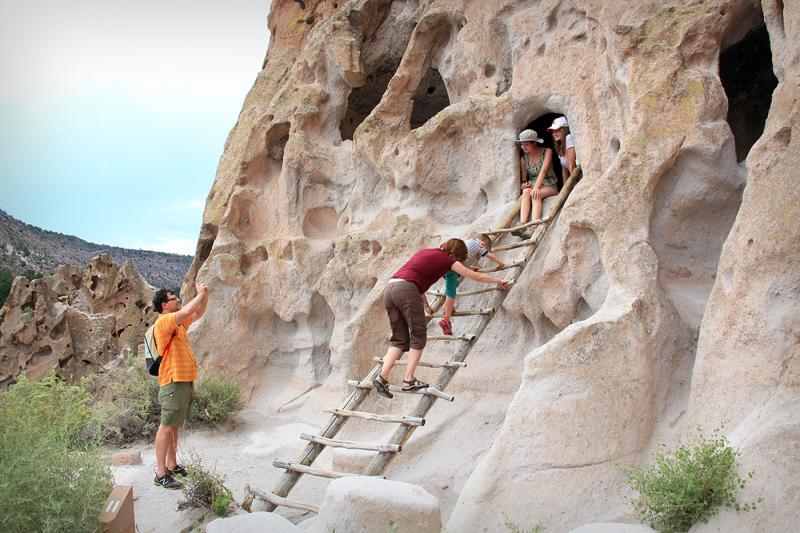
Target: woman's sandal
(382, 386)
(414, 384)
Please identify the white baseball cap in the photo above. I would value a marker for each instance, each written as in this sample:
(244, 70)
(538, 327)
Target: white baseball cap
(560, 122)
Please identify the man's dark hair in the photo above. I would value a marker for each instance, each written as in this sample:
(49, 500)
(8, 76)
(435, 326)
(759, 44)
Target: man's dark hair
(160, 298)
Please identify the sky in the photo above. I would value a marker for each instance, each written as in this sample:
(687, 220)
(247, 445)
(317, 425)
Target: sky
(113, 115)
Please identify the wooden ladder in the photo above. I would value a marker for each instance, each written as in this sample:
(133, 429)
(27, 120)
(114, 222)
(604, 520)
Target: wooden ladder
(384, 453)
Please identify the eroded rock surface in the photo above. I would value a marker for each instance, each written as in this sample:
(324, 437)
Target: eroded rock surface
(666, 293)
(74, 320)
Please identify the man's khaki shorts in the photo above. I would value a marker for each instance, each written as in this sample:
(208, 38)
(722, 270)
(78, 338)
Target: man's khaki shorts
(176, 402)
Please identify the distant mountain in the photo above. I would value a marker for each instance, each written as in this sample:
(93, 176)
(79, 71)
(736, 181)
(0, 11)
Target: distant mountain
(28, 249)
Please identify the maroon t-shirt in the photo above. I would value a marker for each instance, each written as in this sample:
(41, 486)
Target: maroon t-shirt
(425, 267)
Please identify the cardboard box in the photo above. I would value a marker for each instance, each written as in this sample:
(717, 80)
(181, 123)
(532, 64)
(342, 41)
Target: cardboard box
(116, 516)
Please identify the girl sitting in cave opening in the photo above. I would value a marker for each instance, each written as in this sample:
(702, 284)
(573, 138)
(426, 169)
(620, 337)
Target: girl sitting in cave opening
(535, 165)
(565, 146)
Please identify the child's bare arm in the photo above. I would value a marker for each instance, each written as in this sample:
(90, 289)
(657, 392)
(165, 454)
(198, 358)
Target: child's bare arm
(496, 260)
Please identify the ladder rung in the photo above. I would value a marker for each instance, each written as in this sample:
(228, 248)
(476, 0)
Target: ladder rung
(451, 337)
(520, 244)
(515, 264)
(468, 312)
(297, 467)
(391, 419)
(333, 443)
(446, 364)
(472, 293)
(430, 391)
(521, 226)
(278, 500)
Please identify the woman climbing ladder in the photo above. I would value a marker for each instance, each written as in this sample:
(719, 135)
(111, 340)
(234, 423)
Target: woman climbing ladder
(405, 302)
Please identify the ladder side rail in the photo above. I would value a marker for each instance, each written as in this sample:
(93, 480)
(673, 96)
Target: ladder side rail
(313, 450)
(403, 433)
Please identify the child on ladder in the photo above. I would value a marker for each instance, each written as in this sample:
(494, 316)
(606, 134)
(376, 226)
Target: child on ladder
(481, 246)
(405, 302)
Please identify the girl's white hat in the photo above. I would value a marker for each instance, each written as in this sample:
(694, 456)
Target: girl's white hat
(560, 122)
(529, 136)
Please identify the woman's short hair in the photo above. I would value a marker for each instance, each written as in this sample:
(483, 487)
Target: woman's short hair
(455, 248)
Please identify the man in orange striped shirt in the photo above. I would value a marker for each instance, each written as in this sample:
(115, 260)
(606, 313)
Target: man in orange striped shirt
(176, 375)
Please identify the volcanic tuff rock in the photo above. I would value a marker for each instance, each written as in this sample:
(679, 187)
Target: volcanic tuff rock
(73, 320)
(666, 294)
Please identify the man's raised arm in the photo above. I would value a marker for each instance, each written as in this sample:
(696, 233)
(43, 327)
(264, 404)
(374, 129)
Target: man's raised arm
(195, 307)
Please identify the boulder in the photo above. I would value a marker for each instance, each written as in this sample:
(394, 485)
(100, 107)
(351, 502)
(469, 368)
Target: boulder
(365, 504)
(252, 523)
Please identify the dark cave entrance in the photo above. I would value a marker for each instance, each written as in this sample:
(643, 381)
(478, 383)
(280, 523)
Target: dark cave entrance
(362, 100)
(387, 32)
(430, 98)
(745, 70)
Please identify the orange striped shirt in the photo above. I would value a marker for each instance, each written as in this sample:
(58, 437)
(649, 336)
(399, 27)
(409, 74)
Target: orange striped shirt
(178, 363)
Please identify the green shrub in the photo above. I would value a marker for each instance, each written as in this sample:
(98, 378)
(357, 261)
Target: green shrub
(514, 528)
(217, 399)
(50, 478)
(688, 485)
(125, 404)
(6, 279)
(203, 489)
(32, 274)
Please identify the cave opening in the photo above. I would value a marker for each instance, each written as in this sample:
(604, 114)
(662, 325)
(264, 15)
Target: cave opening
(362, 100)
(430, 98)
(745, 70)
(540, 126)
(383, 49)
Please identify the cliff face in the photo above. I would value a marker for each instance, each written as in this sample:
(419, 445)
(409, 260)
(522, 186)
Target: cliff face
(73, 320)
(666, 294)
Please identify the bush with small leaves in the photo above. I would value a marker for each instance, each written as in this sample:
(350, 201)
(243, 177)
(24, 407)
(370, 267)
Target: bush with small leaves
(204, 489)
(689, 484)
(125, 404)
(6, 279)
(216, 400)
(514, 528)
(51, 479)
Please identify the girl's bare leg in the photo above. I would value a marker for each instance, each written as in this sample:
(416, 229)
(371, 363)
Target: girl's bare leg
(525, 206)
(544, 192)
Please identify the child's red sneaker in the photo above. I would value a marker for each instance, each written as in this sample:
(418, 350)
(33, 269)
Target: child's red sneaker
(447, 327)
